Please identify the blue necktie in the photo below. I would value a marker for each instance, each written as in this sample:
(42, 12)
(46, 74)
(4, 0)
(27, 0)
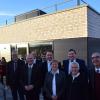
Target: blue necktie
(71, 60)
(97, 70)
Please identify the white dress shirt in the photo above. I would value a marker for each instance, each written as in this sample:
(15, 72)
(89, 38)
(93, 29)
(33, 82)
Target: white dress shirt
(34, 61)
(75, 76)
(69, 68)
(49, 65)
(30, 66)
(54, 83)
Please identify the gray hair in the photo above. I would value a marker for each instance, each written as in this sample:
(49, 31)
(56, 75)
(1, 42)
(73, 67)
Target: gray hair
(76, 63)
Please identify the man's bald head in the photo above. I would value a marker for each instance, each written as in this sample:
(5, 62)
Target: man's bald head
(29, 59)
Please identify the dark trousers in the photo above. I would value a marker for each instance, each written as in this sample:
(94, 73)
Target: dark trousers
(1, 79)
(17, 91)
(32, 95)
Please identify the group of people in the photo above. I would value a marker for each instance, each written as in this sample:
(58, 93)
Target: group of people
(71, 80)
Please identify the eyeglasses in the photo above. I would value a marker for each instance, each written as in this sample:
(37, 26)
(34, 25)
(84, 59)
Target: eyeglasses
(96, 57)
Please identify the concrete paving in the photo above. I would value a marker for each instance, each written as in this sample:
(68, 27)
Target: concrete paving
(5, 93)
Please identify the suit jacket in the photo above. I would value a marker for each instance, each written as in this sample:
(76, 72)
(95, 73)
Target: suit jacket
(82, 65)
(92, 83)
(92, 77)
(13, 77)
(38, 61)
(35, 77)
(60, 85)
(77, 89)
(3, 68)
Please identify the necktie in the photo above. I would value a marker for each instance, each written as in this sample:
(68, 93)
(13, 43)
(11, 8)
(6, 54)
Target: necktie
(29, 75)
(71, 60)
(97, 70)
(15, 66)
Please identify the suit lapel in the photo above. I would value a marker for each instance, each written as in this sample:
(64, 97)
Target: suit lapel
(46, 66)
(67, 66)
(57, 82)
(12, 66)
(51, 79)
(26, 71)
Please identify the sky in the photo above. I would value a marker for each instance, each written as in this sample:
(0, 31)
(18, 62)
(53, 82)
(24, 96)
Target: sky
(11, 8)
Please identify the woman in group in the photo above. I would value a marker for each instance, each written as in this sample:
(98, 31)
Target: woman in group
(55, 83)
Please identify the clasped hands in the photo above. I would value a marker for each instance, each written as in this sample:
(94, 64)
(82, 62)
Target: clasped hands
(29, 87)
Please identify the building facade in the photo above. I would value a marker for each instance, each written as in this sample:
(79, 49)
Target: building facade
(76, 28)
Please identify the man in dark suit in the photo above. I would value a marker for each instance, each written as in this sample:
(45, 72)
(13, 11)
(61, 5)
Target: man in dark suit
(13, 76)
(94, 82)
(46, 65)
(55, 83)
(36, 60)
(43, 57)
(72, 58)
(31, 79)
(77, 84)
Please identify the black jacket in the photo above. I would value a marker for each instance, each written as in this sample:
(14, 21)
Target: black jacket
(60, 85)
(83, 68)
(77, 89)
(35, 77)
(13, 77)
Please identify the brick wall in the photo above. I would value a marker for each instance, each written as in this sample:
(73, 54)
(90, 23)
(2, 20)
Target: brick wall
(70, 23)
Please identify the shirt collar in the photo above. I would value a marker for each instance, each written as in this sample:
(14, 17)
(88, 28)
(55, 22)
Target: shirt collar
(49, 61)
(72, 60)
(34, 61)
(97, 70)
(74, 76)
(57, 72)
(30, 66)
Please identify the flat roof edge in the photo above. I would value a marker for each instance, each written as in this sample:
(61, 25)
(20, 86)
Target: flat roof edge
(93, 9)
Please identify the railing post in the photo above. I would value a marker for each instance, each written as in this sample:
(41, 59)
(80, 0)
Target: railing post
(6, 22)
(15, 19)
(78, 2)
(56, 9)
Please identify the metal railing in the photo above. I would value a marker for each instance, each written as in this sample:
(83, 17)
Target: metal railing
(66, 4)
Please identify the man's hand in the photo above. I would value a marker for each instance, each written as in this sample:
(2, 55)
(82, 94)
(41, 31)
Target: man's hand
(29, 87)
(54, 97)
(26, 88)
